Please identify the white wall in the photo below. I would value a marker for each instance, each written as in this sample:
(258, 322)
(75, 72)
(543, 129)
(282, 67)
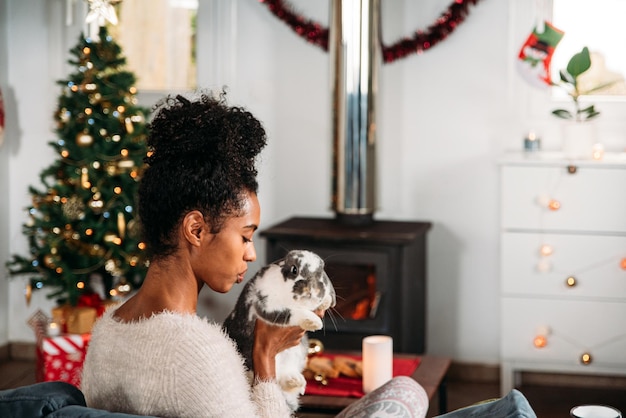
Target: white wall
(445, 117)
(35, 61)
(4, 182)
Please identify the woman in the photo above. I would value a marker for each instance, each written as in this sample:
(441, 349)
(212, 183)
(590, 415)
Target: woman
(199, 210)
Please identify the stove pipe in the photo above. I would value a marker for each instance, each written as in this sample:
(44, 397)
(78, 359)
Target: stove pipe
(355, 55)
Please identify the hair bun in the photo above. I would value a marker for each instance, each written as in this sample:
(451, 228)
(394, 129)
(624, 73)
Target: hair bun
(205, 129)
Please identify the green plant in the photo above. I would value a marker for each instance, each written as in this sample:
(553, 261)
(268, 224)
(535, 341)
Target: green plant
(577, 65)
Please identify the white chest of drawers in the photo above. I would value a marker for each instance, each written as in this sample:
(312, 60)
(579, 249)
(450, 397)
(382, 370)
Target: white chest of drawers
(562, 272)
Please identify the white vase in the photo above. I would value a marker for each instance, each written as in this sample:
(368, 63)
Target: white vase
(578, 139)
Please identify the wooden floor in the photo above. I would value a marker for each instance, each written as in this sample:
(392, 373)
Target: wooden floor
(548, 401)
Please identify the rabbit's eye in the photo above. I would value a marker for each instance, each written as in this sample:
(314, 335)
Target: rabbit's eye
(294, 270)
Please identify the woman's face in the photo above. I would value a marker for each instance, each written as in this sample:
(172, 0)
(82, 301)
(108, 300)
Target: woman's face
(225, 256)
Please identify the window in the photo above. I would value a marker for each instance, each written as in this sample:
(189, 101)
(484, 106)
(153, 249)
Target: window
(597, 25)
(158, 38)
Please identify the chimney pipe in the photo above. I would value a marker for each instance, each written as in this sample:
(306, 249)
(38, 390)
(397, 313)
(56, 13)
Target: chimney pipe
(356, 55)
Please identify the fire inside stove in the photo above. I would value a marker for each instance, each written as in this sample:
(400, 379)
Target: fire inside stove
(355, 286)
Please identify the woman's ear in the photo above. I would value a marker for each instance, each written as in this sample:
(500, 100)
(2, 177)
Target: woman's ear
(194, 226)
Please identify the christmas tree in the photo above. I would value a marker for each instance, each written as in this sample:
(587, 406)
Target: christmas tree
(82, 230)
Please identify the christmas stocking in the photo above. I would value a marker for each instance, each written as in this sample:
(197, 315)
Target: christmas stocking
(534, 58)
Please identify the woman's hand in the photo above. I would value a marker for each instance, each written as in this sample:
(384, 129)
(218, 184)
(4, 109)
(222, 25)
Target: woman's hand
(270, 340)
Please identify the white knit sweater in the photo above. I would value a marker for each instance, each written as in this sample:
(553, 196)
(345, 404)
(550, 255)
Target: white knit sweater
(172, 365)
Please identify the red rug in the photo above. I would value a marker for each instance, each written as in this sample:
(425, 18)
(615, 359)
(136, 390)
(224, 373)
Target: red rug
(352, 387)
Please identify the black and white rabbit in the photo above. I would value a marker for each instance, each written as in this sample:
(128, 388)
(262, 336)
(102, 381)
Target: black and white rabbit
(285, 292)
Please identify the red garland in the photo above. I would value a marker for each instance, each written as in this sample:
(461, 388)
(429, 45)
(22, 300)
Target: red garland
(317, 34)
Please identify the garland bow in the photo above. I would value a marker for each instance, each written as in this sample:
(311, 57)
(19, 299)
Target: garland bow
(317, 34)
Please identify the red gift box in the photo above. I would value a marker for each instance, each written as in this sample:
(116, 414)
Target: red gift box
(60, 357)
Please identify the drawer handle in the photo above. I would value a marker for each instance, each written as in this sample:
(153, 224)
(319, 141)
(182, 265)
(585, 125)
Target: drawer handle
(571, 169)
(571, 281)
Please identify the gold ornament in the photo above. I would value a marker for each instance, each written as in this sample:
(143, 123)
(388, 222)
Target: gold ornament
(134, 229)
(83, 139)
(64, 115)
(73, 208)
(28, 293)
(84, 178)
(121, 224)
(129, 125)
(125, 163)
(109, 237)
(96, 205)
(111, 169)
(133, 261)
(48, 261)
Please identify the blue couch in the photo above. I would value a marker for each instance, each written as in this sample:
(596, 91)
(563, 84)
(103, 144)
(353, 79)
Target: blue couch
(50, 400)
(63, 400)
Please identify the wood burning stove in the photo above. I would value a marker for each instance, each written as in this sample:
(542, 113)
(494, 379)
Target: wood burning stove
(378, 270)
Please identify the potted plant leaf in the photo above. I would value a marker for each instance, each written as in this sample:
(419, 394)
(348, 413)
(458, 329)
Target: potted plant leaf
(578, 129)
(577, 65)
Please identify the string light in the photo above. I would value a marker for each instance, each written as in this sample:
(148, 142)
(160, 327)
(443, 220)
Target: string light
(586, 358)
(554, 205)
(546, 250)
(540, 341)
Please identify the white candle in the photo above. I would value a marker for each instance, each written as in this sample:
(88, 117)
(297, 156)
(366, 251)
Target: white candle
(377, 361)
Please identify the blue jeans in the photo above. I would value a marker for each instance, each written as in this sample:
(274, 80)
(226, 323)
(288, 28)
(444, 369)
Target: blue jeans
(513, 405)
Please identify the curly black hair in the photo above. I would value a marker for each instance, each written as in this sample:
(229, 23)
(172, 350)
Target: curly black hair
(202, 157)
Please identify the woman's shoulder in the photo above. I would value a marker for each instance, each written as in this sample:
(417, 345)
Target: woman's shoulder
(161, 320)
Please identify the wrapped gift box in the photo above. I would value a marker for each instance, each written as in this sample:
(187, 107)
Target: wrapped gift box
(59, 357)
(75, 319)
